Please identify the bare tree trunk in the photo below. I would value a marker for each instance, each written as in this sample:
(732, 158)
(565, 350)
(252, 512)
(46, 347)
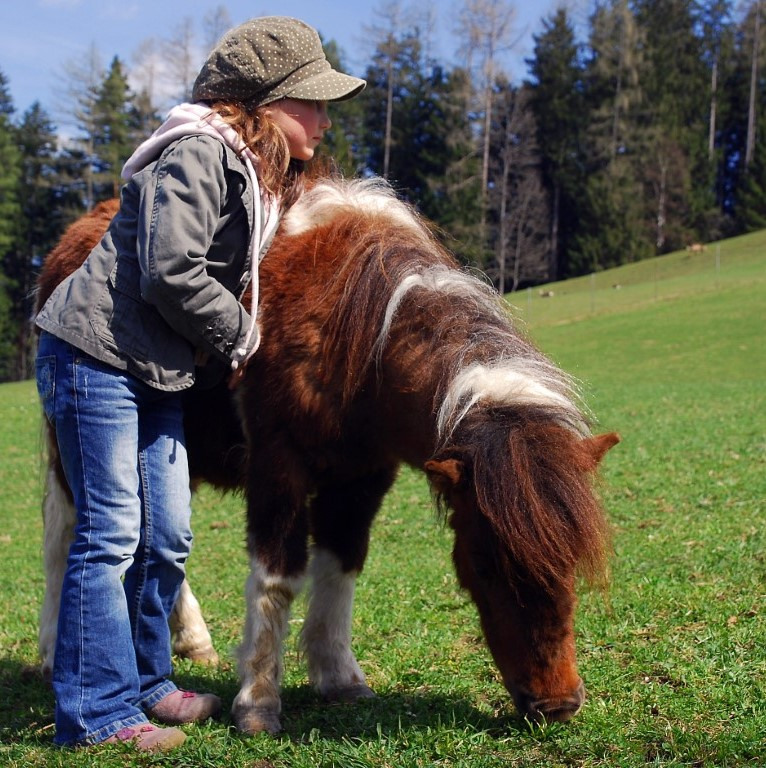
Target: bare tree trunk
(661, 204)
(713, 108)
(503, 235)
(490, 64)
(215, 23)
(183, 59)
(485, 26)
(384, 37)
(554, 257)
(750, 143)
(389, 114)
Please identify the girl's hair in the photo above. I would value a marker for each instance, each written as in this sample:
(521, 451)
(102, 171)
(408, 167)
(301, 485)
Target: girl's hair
(277, 171)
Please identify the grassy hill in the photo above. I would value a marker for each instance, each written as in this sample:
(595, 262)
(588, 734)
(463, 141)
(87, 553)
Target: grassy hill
(730, 263)
(674, 657)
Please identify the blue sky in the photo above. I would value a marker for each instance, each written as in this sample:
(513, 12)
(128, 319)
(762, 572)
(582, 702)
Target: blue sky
(38, 37)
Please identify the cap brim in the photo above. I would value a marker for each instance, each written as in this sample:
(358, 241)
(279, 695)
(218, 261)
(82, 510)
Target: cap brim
(327, 86)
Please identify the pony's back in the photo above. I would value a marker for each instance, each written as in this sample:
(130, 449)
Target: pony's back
(75, 244)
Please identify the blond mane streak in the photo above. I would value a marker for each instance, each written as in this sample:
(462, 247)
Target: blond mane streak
(439, 279)
(522, 382)
(518, 380)
(325, 200)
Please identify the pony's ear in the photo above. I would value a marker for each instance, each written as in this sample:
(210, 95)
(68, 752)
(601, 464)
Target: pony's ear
(445, 474)
(598, 446)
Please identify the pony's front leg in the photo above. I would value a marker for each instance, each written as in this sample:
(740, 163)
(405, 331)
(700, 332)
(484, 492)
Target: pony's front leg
(341, 517)
(269, 596)
(58, 531)
(191, 638)
(326, 635)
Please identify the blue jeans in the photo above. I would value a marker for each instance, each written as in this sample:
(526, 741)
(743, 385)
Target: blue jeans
(123, 452)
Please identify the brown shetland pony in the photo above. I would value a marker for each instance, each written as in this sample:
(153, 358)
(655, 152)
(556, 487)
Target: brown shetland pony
(377, 349)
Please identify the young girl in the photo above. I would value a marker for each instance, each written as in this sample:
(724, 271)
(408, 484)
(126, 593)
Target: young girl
(152, 308)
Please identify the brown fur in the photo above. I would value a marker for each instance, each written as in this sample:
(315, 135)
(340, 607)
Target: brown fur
(326, 414)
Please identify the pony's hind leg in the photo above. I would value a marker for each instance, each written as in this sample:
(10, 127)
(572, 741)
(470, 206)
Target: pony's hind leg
(58, 531)
(341, 520)
(191, 638)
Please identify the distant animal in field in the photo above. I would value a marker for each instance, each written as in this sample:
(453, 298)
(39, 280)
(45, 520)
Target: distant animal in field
(696, 248)
(379, 350)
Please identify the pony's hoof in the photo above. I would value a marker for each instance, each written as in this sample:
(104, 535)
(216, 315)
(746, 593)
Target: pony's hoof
(46, 671)
(206, 655)
(349, 694)
(253, 720)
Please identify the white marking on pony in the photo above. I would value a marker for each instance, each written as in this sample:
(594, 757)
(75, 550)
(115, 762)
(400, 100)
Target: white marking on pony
(322, 202)
(58, 531)
(269, 598)
(502, 383)
(440, 279)
(326, 633)
(191, 636)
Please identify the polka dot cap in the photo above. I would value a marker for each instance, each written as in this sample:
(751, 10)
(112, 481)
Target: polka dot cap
(271, 58)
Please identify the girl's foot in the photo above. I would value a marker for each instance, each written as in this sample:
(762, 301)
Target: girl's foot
(148, 737)
(185, 707)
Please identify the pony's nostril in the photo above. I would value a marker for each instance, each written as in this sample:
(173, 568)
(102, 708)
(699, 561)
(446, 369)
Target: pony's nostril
(555, 709)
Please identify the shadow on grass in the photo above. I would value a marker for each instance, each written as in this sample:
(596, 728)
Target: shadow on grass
(26, 709)
(390, 713)
(26, 702)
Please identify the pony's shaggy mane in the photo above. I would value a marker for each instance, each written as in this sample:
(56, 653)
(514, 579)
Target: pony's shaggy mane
(533, 483)
(399, 259)
(499, 403)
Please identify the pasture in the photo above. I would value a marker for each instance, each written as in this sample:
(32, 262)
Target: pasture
(673, 654)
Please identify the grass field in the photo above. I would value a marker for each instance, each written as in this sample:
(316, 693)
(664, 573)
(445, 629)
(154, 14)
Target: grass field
(674, 657)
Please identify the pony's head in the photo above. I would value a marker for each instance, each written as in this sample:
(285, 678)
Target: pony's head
(518, 491)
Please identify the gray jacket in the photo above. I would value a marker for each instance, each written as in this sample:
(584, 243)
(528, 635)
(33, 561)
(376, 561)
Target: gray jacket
(163, 285)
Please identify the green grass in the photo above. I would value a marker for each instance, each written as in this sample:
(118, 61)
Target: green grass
(674, 657)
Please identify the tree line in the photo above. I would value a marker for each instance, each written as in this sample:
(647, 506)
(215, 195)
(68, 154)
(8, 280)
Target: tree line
(633, 134)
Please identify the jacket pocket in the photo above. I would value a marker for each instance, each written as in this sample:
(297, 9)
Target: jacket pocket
(125, 323)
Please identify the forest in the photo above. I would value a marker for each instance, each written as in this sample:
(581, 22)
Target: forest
(635, 132)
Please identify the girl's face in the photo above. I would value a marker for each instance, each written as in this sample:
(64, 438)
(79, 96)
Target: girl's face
(302, 122)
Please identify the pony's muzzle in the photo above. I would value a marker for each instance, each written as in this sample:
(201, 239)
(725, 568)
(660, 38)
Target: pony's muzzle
(555, 709)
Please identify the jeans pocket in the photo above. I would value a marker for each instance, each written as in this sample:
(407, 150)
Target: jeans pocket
(46, 384)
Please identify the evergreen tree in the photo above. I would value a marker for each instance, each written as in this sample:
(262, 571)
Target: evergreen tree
(432, 161)
(717, 33)
(741, 178)
(678, 180)
(39, 227)
(559, 106)
(10, 211)
(453, 177)
(751, 203)
(391, 76)
(9, 171)
(611, 227)
(116, 129)
(84, 78)
(343, 144)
